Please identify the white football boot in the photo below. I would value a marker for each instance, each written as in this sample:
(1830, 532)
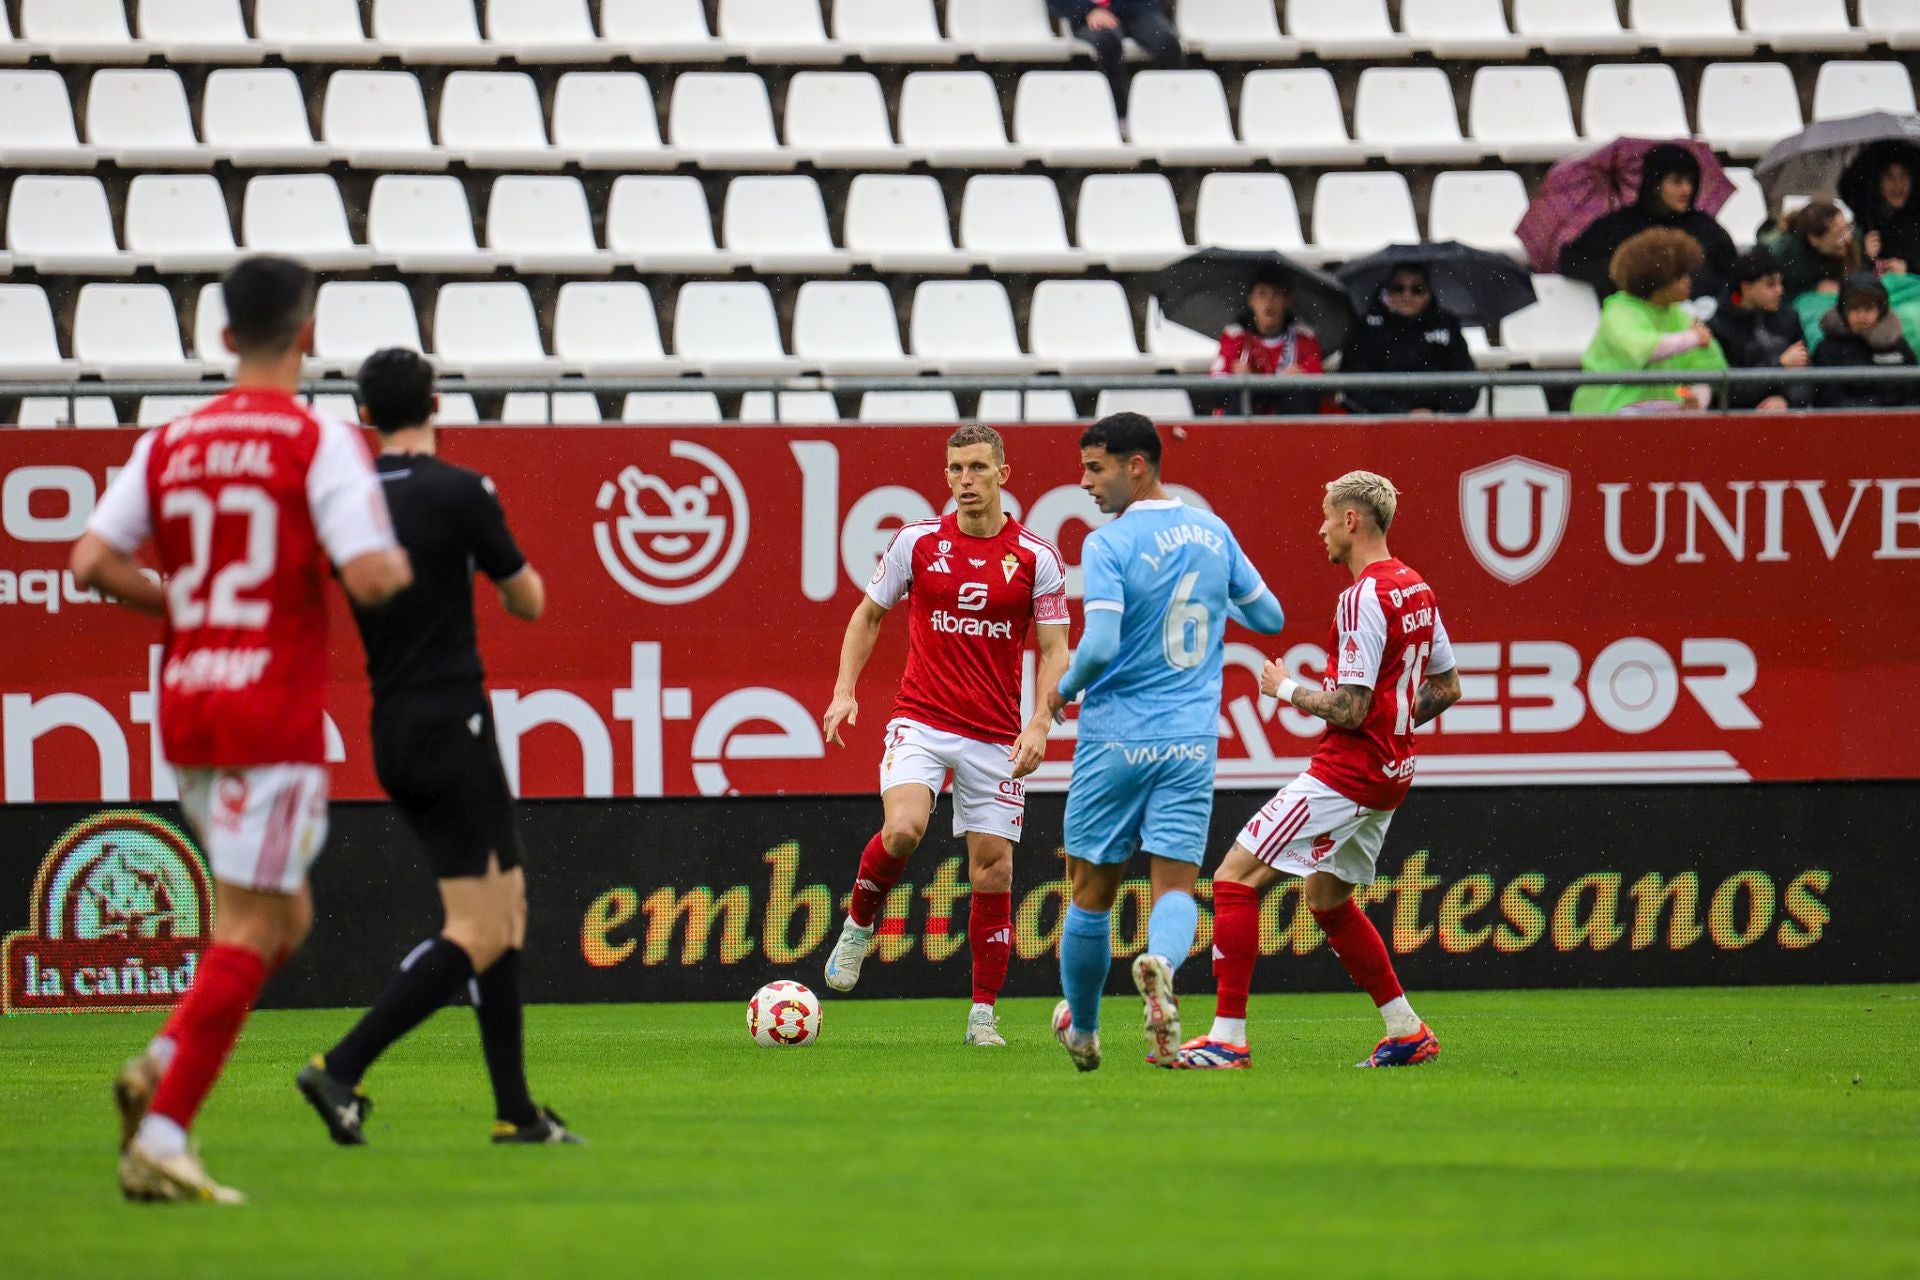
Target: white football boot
(1153, 979)
(182, 1177)
(1085, 1053)
(843, 963)
(983, 1028)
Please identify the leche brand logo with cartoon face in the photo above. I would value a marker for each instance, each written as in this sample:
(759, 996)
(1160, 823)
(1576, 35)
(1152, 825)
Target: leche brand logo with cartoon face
(677, 535)
(121, 910)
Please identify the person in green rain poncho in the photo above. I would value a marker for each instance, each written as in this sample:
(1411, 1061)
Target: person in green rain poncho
(1646, 326)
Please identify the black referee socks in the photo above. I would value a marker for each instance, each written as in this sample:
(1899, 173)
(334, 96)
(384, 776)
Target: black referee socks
(426, 980)
(497, 1005)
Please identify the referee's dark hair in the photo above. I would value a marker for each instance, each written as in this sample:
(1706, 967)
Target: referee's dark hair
(1124, 435)
(396, 389)
(269, 300)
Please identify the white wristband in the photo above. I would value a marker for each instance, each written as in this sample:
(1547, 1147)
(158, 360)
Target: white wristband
(1288, 687)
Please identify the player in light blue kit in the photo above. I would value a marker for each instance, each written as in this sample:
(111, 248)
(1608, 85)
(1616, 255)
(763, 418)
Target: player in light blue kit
(1161, 582)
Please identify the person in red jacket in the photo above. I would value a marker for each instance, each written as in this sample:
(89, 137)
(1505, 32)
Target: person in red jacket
(1267, 338)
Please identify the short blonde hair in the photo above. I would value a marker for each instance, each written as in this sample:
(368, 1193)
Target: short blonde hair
(978, 433)
(1366, 492)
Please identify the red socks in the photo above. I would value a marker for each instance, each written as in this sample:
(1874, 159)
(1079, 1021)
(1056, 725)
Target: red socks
(1236, 945)
(204, 1027)
(990, 935)
(1361, 949)
(879, 872)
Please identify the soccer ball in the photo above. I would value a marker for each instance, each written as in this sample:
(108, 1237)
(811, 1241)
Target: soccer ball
(783, 1015)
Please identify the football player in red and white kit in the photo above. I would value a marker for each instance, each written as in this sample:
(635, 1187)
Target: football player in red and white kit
(974, 580)
(247, 500)
(1389, 669)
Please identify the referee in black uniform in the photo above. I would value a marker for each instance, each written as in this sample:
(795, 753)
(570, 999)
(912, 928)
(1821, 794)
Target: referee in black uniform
(435, 754)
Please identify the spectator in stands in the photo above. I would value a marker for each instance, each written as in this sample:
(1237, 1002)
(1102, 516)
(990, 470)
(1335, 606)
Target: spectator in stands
(1405, 331)
(1863, 331)
(1648, 325)
(1266, 338)
(1105, 23)
(1756, 331)
(1669, 180)
(1890, 216)
(1815, 249)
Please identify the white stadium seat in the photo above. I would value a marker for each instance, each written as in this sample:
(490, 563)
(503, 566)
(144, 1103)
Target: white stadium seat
(1067, 118)
(378, 119)
(129, 331)
(1005, 31)
(661, 31)
(909, 406)
(179, 223)
(609, 328)
(1248, 211)
(11, 50)
(257, 118)
(838, 119)
(544, 224)
(1746, 107)
(1573, 26)
(965, 326)
(891, 31)
(1234, 30)
(1478, 207)
(198, 31)
(1013, 222)
(1160, 404)
(314, 30)
(1346, 29)
(606, 120)
(301, 215)
(1026, 406)
(545, 31)
(843, 326)
(663, 224)
(1130, 221)
(64, 411)
(1293, 117)
(1180, 117)
(1083, 326)
(494, 120)
(724, 120)
(729, 327)
(141, 119)
(1683, 27)
(670, 406)
(352, 320)
(1461, 28)
(898, 222)
(209, 322)
(1408, 115)
(28, 348)
(488, 329)
(1745, 211)
(1519, 402)
(778, 224)
(1555, 330)
(791, 406)
(417, 31)
(83, 31)
(36, 123)
(1357, 213)
(60, 226)
(1177, 346)
(952, 120)
(424, 223)
(777, 31)
(456, 409)
(1854, 88)
(1897, 22)
(1633, 100)
(1802, 25)
(153, 411)
(1523, 113)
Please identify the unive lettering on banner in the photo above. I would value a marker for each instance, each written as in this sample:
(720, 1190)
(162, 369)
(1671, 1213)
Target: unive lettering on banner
(1719, 601)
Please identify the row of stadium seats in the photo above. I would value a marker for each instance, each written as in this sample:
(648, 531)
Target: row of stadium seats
(725, 120)
(492, 328)
(792, 31)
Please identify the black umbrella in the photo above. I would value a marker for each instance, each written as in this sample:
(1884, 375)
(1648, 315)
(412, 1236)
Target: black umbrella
(1206, 291)
(1860, 182)
(1477, 287)
(1811, 162)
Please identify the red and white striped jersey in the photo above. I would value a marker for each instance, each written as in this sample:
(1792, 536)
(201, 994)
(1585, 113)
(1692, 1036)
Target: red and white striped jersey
(970, 602)
(1387, 635)
(246, 500)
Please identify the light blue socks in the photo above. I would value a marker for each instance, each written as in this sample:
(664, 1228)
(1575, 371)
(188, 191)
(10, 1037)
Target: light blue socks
(1171, 927)
(1086, 954)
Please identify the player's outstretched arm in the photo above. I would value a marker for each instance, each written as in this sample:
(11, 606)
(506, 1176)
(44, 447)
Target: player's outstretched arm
(863, 632)
(98, 565)
(1345, 706)
(1262, 613)
(524, 595)
(375, 577)
(1030, 748)
(1438, 691)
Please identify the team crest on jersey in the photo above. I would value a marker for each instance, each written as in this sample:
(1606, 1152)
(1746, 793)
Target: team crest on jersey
(1514, 513)
(1010, 565)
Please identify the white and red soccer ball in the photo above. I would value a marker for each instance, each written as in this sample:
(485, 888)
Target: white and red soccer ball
(784, 1015)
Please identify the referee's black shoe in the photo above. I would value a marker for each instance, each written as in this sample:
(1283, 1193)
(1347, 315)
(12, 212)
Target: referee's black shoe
(343, 1107)
(547, 1127)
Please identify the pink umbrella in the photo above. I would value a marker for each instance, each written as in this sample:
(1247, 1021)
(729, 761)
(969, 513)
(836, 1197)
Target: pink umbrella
(1581, 189)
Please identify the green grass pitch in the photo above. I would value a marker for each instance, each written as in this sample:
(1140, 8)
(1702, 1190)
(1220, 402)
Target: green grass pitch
(1750, 1132)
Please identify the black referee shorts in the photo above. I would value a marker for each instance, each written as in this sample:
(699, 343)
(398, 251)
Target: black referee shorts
(436, 756)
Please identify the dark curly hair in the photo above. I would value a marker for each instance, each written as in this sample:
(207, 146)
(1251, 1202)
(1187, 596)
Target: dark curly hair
(1648, 262)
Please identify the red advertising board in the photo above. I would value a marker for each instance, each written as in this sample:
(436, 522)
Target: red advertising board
(1636, 600)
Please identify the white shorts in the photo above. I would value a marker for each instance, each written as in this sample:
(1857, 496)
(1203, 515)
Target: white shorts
(1309, 827)
(261, 826)
(986, 797)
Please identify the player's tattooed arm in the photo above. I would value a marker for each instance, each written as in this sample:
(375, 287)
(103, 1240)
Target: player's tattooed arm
(1345, 706)
(1437, 693)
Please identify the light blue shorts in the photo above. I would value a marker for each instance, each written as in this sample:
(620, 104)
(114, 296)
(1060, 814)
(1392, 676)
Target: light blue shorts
(1132, 796)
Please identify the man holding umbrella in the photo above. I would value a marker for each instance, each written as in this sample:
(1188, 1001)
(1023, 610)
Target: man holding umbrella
(1405, 330)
